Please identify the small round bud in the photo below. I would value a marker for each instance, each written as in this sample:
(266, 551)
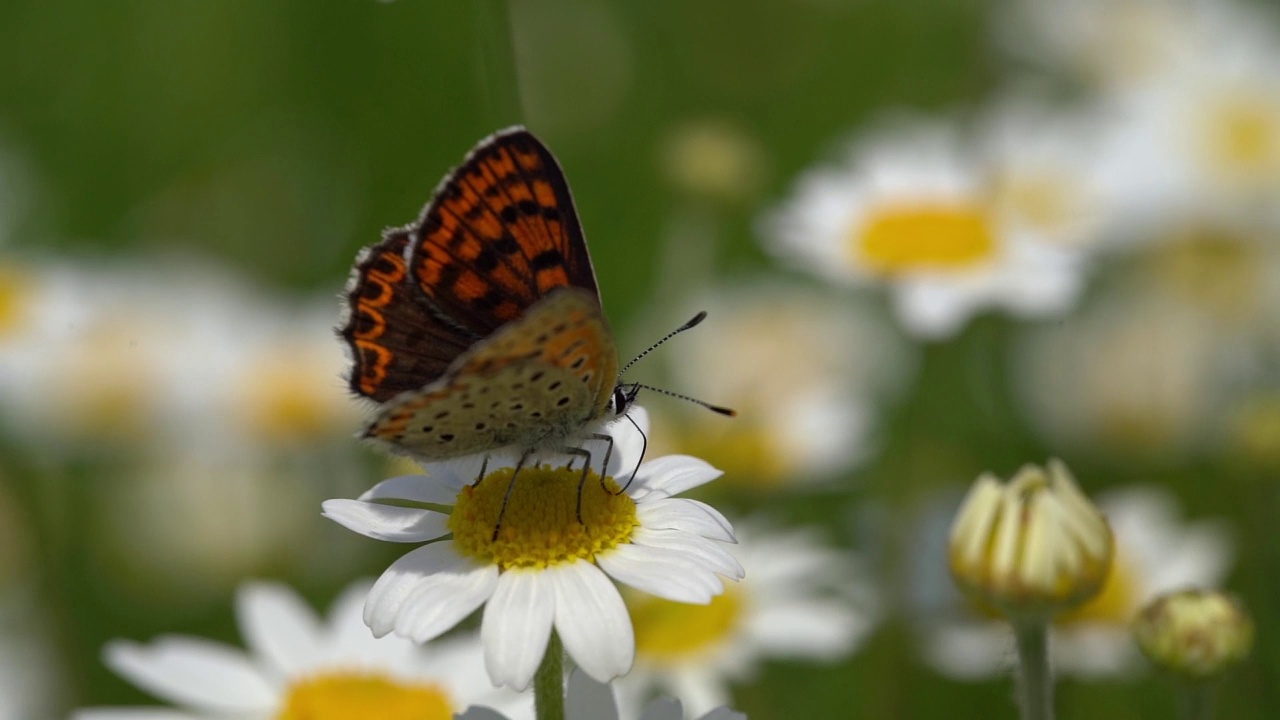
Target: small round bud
(715, 160)
(1033, 546)
(1197, 634)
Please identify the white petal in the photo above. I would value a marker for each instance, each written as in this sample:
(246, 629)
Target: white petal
(662, 573)
(671, 475)
(205, 675)
(969, 652)
(812, 628)
(435, 489)
(592, 620)
(477, 712)
(347, 632)
(664, 708)
(724, 713)
(707, 553)
(516, 627)
(278, 626)
(391, 523)
(684, 514)
(430, 588)
(588, 699)
(132, 713)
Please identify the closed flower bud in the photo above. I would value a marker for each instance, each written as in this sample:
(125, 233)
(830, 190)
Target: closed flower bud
(1032, 546)
(1197, 634)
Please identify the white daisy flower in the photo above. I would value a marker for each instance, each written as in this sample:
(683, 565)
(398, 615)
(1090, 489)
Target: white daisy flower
(807, 401)
(1122, 43)
(1155, 552)
(587, 699)
(297, 662)
(545, 570)
(1136, 371)
(803, 601)
(1200, 140)
(913, 210)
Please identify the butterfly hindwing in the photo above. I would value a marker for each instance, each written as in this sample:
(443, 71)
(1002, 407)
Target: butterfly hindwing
(542, 376)
(397, 342)
(500, 233)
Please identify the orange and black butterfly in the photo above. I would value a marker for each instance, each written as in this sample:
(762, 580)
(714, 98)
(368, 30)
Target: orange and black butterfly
(479, 327)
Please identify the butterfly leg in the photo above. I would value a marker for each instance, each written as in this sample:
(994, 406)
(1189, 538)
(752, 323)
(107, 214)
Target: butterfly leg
(586, 468)
(644, 448)
(507, 497)
(484, 465)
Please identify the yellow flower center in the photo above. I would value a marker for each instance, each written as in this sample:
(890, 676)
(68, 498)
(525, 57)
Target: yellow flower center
(1217, 271)
(669, 631)
(941, 237)
(1244, 137)
(13, 291)
(745, 451)
(540, 527)
(1115, 604)
(291, 398)
(356, 697)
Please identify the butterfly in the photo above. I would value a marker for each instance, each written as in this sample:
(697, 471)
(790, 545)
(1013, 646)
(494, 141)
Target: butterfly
(480, 327)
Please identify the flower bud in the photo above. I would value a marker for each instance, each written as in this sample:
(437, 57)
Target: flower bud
(1032, 546)
(1197, 634)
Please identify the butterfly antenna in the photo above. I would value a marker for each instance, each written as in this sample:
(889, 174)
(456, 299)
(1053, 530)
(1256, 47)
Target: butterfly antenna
(691, 324)
(695, 401)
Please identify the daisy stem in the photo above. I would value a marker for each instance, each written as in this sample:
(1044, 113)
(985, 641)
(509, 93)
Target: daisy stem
(1195, 701)
(1035, 680)
(548, 683)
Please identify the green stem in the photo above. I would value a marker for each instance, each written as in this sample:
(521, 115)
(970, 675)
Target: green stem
(1196, 701)
(548, 683)
(1035, 680)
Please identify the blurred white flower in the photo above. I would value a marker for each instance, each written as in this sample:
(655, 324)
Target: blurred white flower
(1201, 139)
(166, 356)
(1121, 43)
(912, 208)
(1136, 371)
(587, 699)
(805, 370)
(803, 601)
(518, 549)
(1155, 552)
(297, 662)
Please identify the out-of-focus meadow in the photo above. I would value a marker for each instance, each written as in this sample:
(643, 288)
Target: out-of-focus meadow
(935, 239)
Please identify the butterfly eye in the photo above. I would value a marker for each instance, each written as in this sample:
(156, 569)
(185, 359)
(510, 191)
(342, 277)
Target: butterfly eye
(620, 400)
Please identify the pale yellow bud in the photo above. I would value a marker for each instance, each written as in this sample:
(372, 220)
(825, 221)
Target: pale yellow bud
(1198, 634)
(1032, 546)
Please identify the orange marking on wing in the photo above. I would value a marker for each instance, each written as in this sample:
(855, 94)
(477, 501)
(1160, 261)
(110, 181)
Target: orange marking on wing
(375, 369)
(518, 192)
(501, 164)
(544, 194)
(552, 278)
(529, 161)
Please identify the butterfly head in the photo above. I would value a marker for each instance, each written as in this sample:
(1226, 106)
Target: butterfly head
(624, 395)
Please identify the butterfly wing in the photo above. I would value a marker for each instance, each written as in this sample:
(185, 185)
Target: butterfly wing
(539, 378)
(500, 233)
(397, 341)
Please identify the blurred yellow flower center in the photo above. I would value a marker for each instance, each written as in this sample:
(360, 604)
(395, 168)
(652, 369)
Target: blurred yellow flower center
(1115, 603)
(746, 452)
(540, 524)
(672, 631)
(13, 289)
(900, 239)
(1042, 202)
(1245, 136)
(357, 697)
(1218, 271)
(289, 398)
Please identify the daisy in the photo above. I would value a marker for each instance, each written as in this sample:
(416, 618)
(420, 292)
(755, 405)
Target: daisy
(1201, 140)
(544, 569)
(807, 402)
(587, 699)
(803, 601)
(298, 662)
(911, 209)
(1137, 371)
(1155, 553)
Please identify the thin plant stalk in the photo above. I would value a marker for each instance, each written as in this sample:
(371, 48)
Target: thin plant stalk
(548, 682)
(1035, 679)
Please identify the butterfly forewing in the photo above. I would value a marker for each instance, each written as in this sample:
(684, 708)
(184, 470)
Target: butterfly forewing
(541, 377)
(500, 233)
